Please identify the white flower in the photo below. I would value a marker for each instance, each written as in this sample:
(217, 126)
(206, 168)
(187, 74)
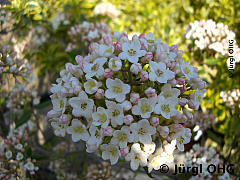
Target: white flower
(132, 51)
(142, 131)
(111, 152)
(159, 72)
(155, 162)
(19, 156)
(182, 138)
(136, 156)
(168, 91)
(78, 131)
(149, 148)
(95, 68)
(59, 128)
(29, 166)
(122, 137)
(59, 104)
(166, 54)
(115, 64)
(100, 117)
(188, 70)
(8, 154)
(144, 107)
(93, 34)
(91, 148)
(197, 97)
(105, 51)
(96, 135)
(82, 106)
(115, 113)
(19, 146)
(91, 86)
(150, 39)
(71, 84)
(116, 89)
(166, 107)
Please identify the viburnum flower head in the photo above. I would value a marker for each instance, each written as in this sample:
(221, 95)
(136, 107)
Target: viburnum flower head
(125, 97)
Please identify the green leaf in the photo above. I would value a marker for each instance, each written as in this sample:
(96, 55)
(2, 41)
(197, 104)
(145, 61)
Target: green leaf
(24, 118)
(212, 61)
(43, 105)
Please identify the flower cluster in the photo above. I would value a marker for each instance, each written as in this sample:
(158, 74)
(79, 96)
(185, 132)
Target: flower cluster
(106, 9)
(39, 35)
(126, 99)
(15, 159)
(204, 156)
(212, 35)
(59, 19)
(87, 33)
(13, 67)
(231, 98)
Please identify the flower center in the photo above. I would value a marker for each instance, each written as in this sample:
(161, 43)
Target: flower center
(84, 106)
(167, 94)
(142, 131)
(115, 113)
(91, 83)
(95, 67)
(145, 108)
(180, 140)
(114, 66)
(102, 117)
(187, 70)
(61, 126)
(132, 52)
(78, 129)
(159, 72)
(122, 136)
(109, 50)
(165, 108)
(117, 89)
(150, 41)
(61, 104)
(113, 151)
(137, 157)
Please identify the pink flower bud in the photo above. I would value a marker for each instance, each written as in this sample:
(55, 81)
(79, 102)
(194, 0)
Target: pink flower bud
(155, 121)
(108, 131)
(174, 48)
(144, 75)
(191, 105)
(108, 73)
(117, 46)
(173, 65)
(136, 68)
(181, 81)
(53, 114)
(107, 39)
(163, 130)
(169, 64)
(173, 82)
(134, 97)
(149, 56)
(150, 92)
(188, 114)
(183, 89)
(142, 36)
(36, 168)
(78, 59)
(126, 105)
(144, 46)
(93, 47)
(99, 94)
(202, 85)
(69, 67)
(1, 70)
(124, 151)
(64, 118)
(182, 101)
(128, 119)
(124, 35)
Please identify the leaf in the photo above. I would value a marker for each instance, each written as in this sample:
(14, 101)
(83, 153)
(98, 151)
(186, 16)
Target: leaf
(212, 61)
(24, 118)
(146, 170)
(43, 105)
